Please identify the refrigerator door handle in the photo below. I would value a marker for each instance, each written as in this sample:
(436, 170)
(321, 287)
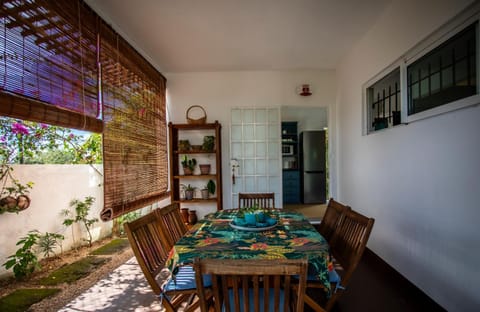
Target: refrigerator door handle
(321, 171)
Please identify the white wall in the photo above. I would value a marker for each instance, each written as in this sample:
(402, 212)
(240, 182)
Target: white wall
(54, 187)
(421, 182)
(218, 92)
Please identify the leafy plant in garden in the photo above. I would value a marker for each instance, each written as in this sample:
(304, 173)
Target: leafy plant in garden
(24, 262)
(128, 217)
(26, 142)
(48, 242)
(82, 208)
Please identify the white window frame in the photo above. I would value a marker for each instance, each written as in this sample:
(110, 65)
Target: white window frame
(469, 16)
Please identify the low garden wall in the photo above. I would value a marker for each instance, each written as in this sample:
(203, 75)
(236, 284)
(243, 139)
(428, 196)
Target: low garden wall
(55, 186)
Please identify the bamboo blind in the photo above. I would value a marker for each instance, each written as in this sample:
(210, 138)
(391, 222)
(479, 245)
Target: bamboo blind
(61, 64)
(48, 56)
(134, 138)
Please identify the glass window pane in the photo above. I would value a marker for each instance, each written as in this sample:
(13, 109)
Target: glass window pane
(260, 116)
(381, 99)
(447, 77)
(461, 73)
(261, 150)
(236, 133)
(273, 115)
(434, 63)
(424, 90)
(273, 132)
(413, 74)
(273, 150)
(249, 167)
(237, 187)
(249, 150)
(250, 185)
(262, 184)
(261, 167)
(260, 132)
(273, 168)
(237, 150)
(248, 116)
(435, 82)
(449, 83)
(414, 91)
(249, 133)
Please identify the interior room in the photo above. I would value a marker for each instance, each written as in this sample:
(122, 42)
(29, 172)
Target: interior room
(358, 84)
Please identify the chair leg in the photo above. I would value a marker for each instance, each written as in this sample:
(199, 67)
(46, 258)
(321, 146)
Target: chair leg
(314, 305)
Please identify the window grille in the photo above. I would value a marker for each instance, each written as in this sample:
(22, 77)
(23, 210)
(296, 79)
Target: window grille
(383, 99)
(446, 74)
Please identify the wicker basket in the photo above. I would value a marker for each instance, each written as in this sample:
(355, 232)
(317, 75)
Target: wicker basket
(199, 121)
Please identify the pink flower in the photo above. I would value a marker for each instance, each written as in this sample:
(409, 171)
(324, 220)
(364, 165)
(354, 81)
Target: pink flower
(19, 128)
(3, 139)
(71, 136)
(43, 126)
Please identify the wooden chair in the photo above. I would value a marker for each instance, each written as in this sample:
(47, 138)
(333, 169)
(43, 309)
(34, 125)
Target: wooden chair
(151, 248)
(244, 285)
(174, 227)
(333, 216)
(263, 200)
(348, 244)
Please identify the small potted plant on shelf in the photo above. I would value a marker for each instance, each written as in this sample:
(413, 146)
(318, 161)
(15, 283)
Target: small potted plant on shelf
(188, 165)
(183, 145)
(188, 189)
(208, 189)
(208, 143)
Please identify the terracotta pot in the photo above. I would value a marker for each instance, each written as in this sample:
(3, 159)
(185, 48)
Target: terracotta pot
(187, 171)
(205, 168)
(23, 202)
(192, 217)
(184, 214)
(9, 202)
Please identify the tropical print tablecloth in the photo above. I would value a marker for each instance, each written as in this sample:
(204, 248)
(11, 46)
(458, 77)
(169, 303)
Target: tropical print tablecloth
(293, 238)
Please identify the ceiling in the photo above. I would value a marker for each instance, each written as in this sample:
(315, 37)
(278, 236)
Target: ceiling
(231, 35)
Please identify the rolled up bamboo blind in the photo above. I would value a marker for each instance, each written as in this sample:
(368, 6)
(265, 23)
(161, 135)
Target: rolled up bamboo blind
(61, 64)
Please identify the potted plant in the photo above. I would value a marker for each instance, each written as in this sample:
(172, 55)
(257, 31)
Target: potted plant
(208, 143)
(183, 145)
(208, 189)
(189, 190)
(188, 165)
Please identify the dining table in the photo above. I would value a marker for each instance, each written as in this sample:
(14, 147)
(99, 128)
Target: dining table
(292, 237)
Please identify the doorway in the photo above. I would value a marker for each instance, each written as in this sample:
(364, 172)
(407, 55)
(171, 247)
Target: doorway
(301, 119)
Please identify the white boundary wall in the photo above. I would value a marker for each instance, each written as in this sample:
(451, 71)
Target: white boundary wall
(54, 187)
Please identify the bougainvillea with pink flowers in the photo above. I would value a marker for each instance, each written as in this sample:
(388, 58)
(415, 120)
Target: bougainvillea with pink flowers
(22, 142)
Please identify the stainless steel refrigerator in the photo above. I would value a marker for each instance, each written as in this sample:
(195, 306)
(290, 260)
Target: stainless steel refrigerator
(313, 167)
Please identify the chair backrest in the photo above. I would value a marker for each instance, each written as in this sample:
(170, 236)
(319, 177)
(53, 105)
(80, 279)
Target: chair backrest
(263, 200)
(332, 217)
(348, 244)
(173, 224)
(245, 285)
(150, 246)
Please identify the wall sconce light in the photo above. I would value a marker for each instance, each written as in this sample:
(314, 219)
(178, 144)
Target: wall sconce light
(304, 90)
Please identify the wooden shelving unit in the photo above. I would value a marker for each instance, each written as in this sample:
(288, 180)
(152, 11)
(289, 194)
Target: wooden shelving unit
(176, 133)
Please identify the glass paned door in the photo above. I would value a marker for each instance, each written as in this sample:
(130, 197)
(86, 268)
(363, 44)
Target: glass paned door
(255, 153)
